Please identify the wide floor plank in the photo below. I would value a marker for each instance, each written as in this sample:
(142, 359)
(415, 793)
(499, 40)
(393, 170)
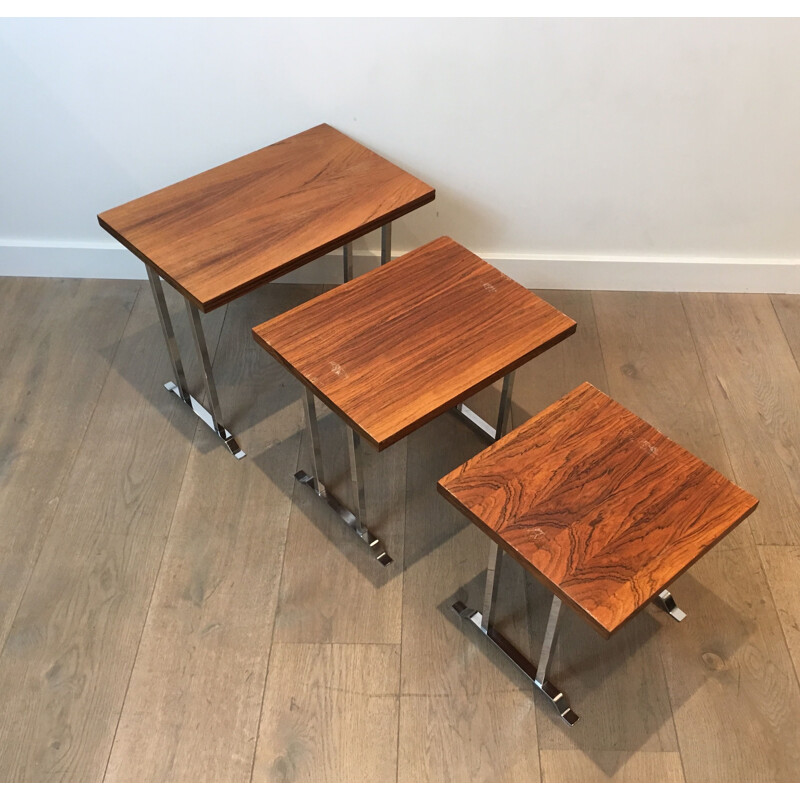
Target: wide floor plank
(69, 654)
(330, 714)
(782, 569)
(607, 766)
(192, 709)
(754, 383)
(59, 338)
(787, 309)
(465, 713)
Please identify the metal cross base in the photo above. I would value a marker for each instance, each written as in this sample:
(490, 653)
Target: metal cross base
(479, 424)
(347, 516)
(204, 414)
(555, 696)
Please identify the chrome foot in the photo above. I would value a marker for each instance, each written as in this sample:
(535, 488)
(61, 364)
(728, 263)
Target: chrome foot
(555, 696)
(667, 603)
(204, 414)
(347, 516)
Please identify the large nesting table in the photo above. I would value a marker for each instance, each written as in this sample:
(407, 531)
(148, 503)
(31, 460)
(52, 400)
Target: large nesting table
(403, 343)
(600, 507)
(218, 235)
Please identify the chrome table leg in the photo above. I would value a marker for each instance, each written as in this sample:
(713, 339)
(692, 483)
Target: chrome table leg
(484, 622)
(479, 424)
(347, 259)
(355, 521)
(212, 418)
(386, 243)
(667, 603)
(179, 387)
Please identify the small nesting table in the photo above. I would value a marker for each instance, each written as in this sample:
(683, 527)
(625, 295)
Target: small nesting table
(218, 235)
(600, 507)
(398, 346)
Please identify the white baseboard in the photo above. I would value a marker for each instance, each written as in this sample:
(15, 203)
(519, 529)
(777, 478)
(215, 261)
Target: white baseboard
(622, 273)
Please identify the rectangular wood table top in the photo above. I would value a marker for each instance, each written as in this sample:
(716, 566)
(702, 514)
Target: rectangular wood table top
(221, 233)
(408, 340)
(598, 505)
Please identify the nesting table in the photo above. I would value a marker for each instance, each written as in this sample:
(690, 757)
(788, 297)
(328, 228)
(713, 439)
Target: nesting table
(218, 235)
(403, 343)
(600, 507)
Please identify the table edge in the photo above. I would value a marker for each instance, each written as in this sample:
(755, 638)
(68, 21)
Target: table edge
(598, 626)
(382, 444)
(245, 288)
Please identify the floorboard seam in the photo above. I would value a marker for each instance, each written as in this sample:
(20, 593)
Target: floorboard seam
(277, 606)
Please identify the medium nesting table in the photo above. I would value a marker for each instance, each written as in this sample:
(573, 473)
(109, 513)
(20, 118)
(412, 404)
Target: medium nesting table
(600, 507)
(218, 235)
(400, 345)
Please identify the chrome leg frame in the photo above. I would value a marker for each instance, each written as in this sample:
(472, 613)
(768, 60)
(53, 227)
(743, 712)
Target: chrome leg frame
(214, 418)
(179, 387)
(386, 243)
(480, 425)
(316, 482)
(347, 258)
(667, 602)
(484, 622)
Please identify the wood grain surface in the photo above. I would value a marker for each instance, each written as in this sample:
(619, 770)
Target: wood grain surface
(39, 437)
(601, 506)
(397, 346)
(330, 714)
(65, 666)
(754, 383)
(219, 234)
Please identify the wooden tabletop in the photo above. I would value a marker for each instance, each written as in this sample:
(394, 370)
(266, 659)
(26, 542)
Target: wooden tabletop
(403, 343)
(221, 233)
(600, 506)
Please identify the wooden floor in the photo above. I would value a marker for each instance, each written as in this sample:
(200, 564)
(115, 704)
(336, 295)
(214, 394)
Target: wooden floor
(170, 613)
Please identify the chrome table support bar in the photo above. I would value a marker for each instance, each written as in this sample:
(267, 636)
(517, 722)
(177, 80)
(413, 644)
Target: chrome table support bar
(357, 477)
(316, 483)
(386, 243)
(479, 424)
(484, 622)
(211, 387)
(667, 603)
(179, 387)
(347, 259)
(180, 384)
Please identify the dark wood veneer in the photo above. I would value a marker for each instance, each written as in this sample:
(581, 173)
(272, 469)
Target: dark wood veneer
(599, 505)
(219, 234)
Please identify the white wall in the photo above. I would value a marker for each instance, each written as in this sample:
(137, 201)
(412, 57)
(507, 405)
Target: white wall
(609, 153)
